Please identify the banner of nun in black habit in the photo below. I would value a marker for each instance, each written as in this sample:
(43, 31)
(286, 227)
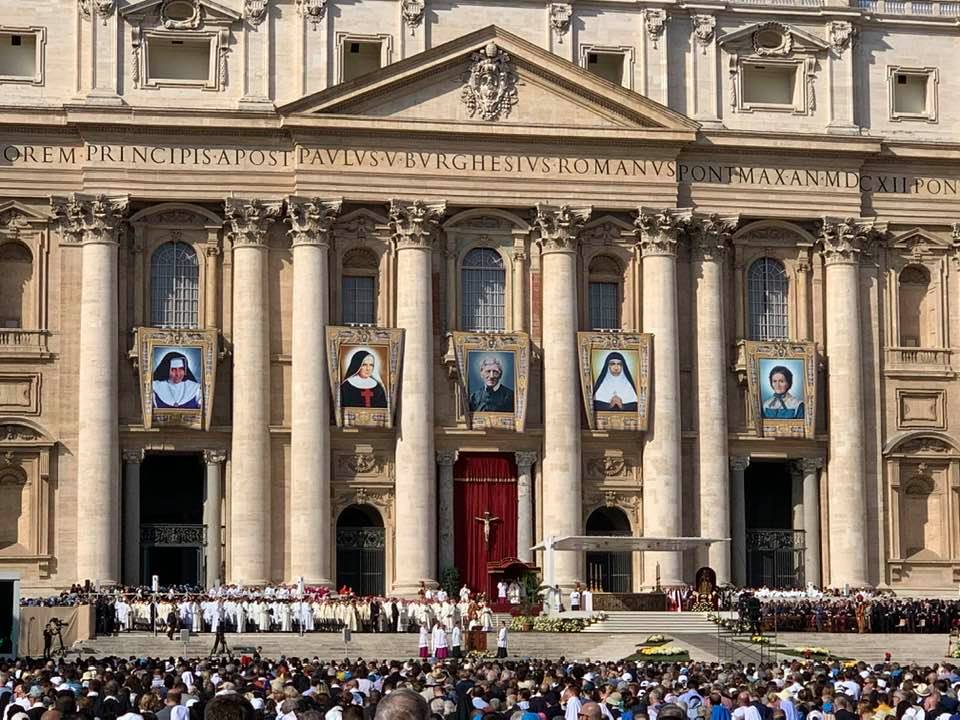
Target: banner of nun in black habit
(364, 368)
(177, 376)
(614, 376)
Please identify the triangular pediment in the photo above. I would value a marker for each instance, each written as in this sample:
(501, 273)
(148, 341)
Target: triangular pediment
(204, 10)
(493, 79)
(772, 39)
(919, 241)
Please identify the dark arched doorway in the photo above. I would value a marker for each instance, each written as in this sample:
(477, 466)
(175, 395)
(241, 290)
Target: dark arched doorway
(609, 571)
(360, 550)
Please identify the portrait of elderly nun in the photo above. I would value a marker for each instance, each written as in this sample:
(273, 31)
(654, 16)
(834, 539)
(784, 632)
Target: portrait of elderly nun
(614, 390)
(175, 385)
(361, 386)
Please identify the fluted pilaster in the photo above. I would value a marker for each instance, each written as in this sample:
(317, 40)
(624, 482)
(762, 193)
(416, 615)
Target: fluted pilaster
(95, 222)
(250, 527)
(710, 239)
(558, 230)
(413, 226)
(658, 235)
(310, 222)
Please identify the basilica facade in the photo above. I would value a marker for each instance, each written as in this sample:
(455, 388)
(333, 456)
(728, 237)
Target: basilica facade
(359, 292)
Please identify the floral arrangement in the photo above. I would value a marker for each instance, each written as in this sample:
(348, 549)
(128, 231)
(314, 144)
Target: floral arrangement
(481, 654)
(955, 653)
(759, 639)
(703, 606)
(662, 650)
(811, 651)
(546, 624)
(657, 639)
(521, 623)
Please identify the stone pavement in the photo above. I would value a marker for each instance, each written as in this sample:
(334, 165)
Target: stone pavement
(580, 646)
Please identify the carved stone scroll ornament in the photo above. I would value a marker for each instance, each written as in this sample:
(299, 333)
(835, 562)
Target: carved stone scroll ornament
(90, 218)
(704, 27)
(560, 14)
(250, 220)
(559, 225)
(842, 240)
(655, 20)
(490, 85)
(312, 10)
(190, 22)
(772, 39)
(710, 234)
(310, 220)
(255, 11)
(412, 11)
(412, 224)
(658, 230)
(102, 8)
(842, 35)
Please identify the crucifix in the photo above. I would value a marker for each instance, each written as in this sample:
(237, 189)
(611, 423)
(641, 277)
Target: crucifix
(487, 520)
(367, 396)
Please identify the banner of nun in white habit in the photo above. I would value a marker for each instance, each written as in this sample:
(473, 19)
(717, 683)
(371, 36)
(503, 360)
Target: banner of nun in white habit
(494, 374)
(364, 369)
(782, 381)
(614, 377)
(177, 376)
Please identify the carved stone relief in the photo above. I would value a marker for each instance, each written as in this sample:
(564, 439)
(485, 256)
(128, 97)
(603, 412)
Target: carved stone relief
(490, 85)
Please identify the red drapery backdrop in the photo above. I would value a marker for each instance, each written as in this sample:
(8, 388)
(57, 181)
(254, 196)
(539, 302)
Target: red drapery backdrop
(483, 482)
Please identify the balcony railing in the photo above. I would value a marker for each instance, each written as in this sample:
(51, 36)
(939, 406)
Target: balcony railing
(924, 8)
(781, 3)
(922, 357)
(16, 341)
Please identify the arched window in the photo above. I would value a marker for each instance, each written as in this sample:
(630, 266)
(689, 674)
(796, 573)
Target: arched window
(606, 276)
(483, 281)
(16, 262)
(916, 308)
(358, 297)
(767, 291)
(175, 286)
(609, 571)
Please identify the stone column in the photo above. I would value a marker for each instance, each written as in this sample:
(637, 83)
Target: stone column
(213, 516)
(250, 450)
(446, 460)
(796, 496)
(662, 482)
(525, 539)
(562, 495)
(840, 244)
(132, 459)
(738, 520)
(413, 226)
(519, 285)
(811, 518)
(211, 297)
(95, 223)
(710, 238)
(310, 222)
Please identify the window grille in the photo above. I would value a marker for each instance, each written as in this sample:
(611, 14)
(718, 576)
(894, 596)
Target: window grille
(604, 306)
(767, 287)
(175, 286)
(483, 293)
(359, 300)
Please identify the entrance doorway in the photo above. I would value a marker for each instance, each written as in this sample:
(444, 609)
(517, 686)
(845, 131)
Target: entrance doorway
(609, 571)
(360, 550)
(172, 537)
(774, 549)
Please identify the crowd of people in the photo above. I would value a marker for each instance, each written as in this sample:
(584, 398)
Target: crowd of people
(258, 688)
(862, 611)
(279, 608)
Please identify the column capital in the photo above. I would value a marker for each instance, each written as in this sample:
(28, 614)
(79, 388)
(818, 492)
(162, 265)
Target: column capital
(90, 219)
(250, 219)
(446, 458)
(560, 225)
(809, 465)
(658, 230)
(710, 235)
(133, 456)
(214, 457)
(310, 220)
(413, 224)
(841, 240)
(525, 459)
(739, 463)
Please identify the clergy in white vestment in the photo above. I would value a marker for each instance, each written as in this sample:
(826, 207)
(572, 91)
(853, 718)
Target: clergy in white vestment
(196, 616)
(587, 598)
(242, 616)
(440, 650)
(456, 640)
(423, 642)
(502, 640)
(174, 384)
(486, 618)
(464, 594)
